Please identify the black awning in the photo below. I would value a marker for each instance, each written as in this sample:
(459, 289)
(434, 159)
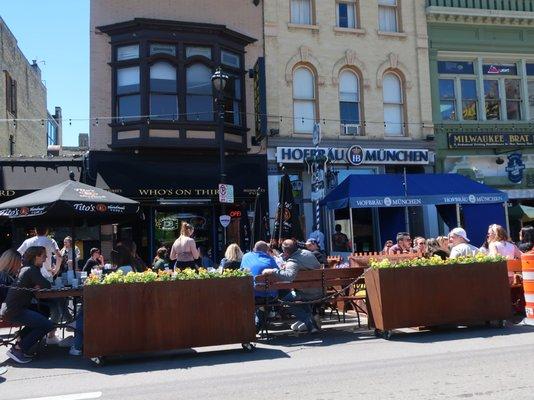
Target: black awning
(26, 176)
(151, 177)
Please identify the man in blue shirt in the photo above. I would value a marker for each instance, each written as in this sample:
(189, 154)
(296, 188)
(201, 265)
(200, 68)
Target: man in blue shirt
(256, 261)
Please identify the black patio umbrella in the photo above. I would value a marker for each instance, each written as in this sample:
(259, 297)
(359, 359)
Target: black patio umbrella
(67, 204)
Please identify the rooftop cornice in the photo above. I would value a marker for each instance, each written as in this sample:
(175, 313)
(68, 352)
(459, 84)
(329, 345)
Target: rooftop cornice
(475, 16)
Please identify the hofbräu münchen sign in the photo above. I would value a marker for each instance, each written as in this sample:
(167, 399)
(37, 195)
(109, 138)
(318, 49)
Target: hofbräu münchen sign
(457, 140)
(354, 155)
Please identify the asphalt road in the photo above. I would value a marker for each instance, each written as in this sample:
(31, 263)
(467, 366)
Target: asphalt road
(474, 363)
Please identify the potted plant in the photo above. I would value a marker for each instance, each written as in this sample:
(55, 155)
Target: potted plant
(149, 311)
(432, 291)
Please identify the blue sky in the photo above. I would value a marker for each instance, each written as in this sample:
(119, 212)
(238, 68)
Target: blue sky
(56, 33)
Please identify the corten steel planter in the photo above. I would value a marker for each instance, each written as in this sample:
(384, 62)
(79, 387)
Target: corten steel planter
(123, 319)
(440, 295)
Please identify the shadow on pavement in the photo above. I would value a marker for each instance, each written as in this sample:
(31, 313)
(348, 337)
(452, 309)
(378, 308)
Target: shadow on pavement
(58, 358)
(451, 333)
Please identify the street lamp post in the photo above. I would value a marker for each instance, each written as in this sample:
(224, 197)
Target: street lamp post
(219, 80)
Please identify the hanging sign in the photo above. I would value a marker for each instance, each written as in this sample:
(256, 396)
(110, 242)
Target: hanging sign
(225, 220)
(515, 167)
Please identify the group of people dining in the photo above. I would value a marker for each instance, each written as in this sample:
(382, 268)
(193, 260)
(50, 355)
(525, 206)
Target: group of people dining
(34, 266)
(458, 244)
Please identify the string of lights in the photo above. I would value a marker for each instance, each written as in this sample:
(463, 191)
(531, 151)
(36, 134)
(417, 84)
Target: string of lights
(197, 115)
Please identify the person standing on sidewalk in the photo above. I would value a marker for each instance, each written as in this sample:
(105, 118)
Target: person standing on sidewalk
(15, 308)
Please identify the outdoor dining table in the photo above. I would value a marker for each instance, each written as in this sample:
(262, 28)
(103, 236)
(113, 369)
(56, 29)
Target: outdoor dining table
(59, 293)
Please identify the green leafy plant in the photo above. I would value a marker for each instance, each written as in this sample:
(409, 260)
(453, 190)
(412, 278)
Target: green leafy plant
(118, 277)
(434, 261)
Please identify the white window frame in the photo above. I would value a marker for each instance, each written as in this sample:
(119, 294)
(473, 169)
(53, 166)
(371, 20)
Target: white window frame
(297, 19)
(355, 9)
(401, 104)
(358, 94)
(297, 100)
(383, 6)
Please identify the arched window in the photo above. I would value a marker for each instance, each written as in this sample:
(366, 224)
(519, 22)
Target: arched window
(393, 105)
(349, 101)
(199, 99)
(163, 91)
(303, 100)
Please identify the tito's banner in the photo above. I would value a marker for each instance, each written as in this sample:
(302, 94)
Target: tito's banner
(457, 140)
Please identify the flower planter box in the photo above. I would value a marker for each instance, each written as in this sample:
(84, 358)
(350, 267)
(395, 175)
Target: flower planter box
(131, 318)
(441, 295)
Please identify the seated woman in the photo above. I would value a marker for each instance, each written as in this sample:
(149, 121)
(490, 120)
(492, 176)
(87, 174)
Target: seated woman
(500, 243)
(10, 264)
(121, 259)
(232, 257)
(16, 307)
(160, 261)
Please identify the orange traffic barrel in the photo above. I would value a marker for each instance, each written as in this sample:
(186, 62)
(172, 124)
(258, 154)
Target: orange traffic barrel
(527, 265)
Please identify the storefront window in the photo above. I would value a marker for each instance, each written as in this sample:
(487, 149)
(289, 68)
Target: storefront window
(169, 220)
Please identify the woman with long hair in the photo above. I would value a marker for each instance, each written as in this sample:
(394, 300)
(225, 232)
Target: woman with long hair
(10, 264)
(15, 308)
(232, 257)
(184, 249)
(500, 243)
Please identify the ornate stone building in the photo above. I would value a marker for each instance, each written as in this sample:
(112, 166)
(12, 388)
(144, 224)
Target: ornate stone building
(358, 71)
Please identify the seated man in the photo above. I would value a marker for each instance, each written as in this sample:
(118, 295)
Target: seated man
(313, 246)
(256, 262)
(298, 260)
(460, 245)
(404, 244)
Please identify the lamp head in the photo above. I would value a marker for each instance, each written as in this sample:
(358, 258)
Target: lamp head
(219, 79)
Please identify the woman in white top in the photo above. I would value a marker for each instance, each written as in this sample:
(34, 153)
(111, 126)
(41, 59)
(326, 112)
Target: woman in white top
(500, 244)
(184, 249)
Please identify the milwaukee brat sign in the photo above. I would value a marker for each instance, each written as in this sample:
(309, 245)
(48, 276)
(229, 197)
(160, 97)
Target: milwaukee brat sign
(490, 139)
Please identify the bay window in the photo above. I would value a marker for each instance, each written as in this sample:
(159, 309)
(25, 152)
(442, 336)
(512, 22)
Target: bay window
(162, 93)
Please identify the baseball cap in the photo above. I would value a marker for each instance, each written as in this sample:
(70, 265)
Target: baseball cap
(459, 232)
(311, 241)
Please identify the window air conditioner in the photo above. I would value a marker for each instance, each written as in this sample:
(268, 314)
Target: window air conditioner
(351, 129)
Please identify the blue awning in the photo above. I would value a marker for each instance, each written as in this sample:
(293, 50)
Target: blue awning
(387, 190)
